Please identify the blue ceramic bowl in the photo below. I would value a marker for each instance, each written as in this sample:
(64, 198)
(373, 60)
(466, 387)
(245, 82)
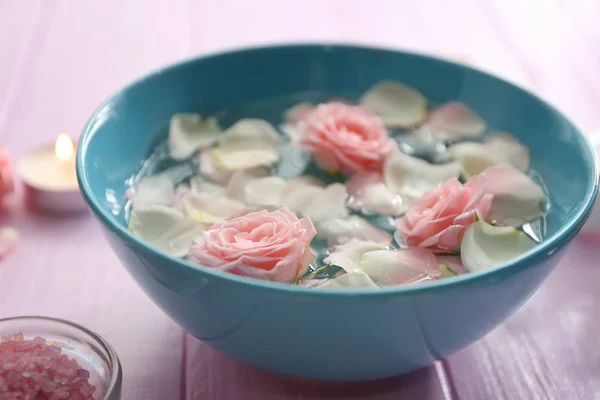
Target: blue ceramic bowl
(329, 335)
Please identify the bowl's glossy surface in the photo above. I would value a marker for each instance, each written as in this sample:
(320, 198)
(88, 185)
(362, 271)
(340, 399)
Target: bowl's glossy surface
(326, 335)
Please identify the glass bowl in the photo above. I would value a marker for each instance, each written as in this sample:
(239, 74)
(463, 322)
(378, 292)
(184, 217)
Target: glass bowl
(91, 351)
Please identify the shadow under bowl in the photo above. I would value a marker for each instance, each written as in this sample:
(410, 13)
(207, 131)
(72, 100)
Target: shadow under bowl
(329, 335)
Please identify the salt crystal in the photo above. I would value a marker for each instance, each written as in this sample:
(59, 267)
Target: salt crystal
(35, 369)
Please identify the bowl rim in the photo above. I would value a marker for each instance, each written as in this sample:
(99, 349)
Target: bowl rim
(113, 391)
(545, 249)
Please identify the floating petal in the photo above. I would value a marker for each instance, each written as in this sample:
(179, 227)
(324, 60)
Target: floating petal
(236, 187)
(209, 170)
(398, 105)
(349, 254)
(330, 203)
(153, 190)
(341, 230)
(265, 191)
(200, 184)
(189, 132)
(475, 157)
(368, 193)
(514, 152)
(517, 199)
(502, 148)
(351, 280)
(485, 246)
(454, 263)
(395, 267)
(244, 154)
(300, 192)
(412, 177)
(250, 129)
(455, 119)
(208, 208)
(165, 228)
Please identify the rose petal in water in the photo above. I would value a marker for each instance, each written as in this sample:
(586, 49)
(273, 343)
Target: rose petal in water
(189, 132)
(350, 280)
(499, 149)
(396, 267)
(412, 177)
(348, 255)
(516, 198)
(398, 105)
(455, 119)
(485, 246)
(165, 228)
(368, 193)
(340, 230)
(153, 190)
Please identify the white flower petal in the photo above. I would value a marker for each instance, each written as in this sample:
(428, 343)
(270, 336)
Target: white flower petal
(341, 230)
(351, 280)
(348, 255)
(210, 170)
(474, 157)
(306, 180)
(236, 187)
(244, 154)
(300, 192)
(485, 246)
(502, 148)
(455, 119)
(368, 193)
(189, 132)
(517, 199)
(250, 129)
(330, 203)
(165, 228)
(265, 191)
(398, 105)
(453, 263)
(208, 208)
(300, 198)
(513, 152)
(199, 184)
(153, 190)
(395, 267)
(412, 177)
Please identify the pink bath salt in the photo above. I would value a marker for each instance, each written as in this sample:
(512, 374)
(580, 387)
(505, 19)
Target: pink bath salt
(34, 369)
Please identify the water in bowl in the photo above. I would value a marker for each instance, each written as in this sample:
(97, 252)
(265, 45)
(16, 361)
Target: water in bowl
(296, 162)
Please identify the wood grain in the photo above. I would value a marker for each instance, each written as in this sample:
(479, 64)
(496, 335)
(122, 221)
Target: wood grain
(62, 58)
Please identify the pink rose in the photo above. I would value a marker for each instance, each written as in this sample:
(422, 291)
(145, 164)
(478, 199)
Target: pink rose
(438, 220)
(265, 245)
(6, 174)
(345, 138)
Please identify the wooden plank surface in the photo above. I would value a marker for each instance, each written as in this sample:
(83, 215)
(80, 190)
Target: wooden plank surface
(61, 58)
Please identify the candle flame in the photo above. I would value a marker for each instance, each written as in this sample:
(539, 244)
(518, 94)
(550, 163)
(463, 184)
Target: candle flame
(64, 148)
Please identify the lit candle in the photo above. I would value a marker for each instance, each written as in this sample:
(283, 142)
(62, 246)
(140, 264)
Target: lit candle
(48, 173)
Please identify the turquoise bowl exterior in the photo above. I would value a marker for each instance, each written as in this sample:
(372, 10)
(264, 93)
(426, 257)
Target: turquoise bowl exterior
(329, 335)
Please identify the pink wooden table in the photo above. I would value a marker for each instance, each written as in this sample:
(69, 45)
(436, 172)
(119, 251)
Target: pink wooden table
(59, 59)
